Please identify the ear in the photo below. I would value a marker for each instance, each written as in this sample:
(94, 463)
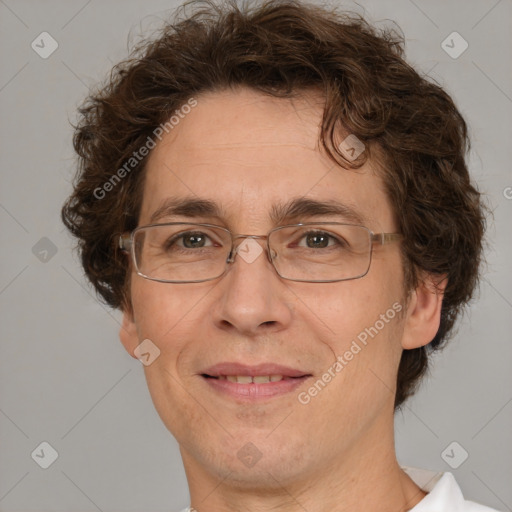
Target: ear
(424, 311)
(128, 333)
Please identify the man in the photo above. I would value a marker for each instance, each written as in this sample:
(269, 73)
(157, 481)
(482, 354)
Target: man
(281, 208)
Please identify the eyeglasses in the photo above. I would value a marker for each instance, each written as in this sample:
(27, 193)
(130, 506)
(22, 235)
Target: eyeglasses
(320, 252)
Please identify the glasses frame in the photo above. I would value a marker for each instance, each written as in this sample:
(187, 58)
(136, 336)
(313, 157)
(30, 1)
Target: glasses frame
(126, 244)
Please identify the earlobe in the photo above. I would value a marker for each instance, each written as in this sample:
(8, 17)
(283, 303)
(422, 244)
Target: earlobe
(128, 333)
(424, 312)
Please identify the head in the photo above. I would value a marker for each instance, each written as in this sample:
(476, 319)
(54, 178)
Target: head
(249, 108)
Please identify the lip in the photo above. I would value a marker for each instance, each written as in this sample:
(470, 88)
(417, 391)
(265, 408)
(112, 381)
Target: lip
(292, 378)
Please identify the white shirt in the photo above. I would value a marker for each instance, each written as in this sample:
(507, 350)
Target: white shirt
(444, 494)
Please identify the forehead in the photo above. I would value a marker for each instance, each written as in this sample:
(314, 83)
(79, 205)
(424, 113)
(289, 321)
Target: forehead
(250, 154)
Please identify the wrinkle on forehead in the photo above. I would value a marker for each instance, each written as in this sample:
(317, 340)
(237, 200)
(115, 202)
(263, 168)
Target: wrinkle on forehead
(305, 114)
(244, 157)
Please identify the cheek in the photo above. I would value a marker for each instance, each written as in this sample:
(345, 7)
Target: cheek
(165, 315)
(159, 307)
(365, 317)
(158, 314)
(356, 306)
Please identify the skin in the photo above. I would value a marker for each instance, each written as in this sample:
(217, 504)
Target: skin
(245, 151)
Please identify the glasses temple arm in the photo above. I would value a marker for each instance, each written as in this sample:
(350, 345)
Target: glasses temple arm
(125, 242)
(385, 238)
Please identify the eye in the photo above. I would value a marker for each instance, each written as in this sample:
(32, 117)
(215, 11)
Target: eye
(189, 240)
(318, 240)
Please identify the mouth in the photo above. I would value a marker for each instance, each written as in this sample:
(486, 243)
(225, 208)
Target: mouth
(249, 383)
(247, 379)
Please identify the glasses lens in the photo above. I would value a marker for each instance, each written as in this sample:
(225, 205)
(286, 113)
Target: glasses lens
(310, 252)
(181, 252)
(321, 252)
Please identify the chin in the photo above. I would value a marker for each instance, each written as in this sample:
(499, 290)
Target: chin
(264, 462)
(264, 476)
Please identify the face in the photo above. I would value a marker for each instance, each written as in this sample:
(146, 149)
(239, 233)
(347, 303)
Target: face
(247, 153)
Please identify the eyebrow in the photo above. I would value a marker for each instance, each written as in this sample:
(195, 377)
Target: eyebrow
(295, 209)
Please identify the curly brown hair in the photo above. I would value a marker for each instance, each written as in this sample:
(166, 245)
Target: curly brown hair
(281, 48)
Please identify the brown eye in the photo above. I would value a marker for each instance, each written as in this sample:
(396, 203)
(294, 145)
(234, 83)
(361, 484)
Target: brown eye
(318, 240)
(189, 240)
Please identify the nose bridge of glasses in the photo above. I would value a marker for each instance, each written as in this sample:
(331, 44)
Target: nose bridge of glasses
(238, 240)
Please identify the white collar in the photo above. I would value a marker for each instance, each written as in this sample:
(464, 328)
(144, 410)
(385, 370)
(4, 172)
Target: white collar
(444, 494)
(442, 490)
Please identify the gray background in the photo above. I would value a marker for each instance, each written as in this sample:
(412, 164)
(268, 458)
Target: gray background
(65, 377)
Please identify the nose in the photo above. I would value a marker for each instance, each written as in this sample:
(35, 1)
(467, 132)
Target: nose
(252, 295)
(249, 247)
